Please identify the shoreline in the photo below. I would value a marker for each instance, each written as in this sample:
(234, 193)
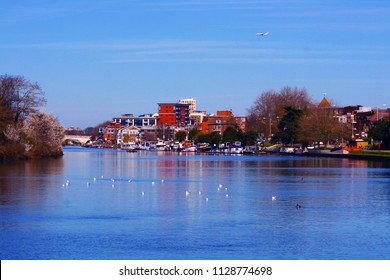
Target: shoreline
(360, 155)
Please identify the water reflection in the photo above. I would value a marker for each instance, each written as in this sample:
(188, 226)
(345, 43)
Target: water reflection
(28, 181)
(174, 206)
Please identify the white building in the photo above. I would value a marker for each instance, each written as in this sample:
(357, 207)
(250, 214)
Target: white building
(196, 118)
(191, 102)
(140, 121)
(132, 132)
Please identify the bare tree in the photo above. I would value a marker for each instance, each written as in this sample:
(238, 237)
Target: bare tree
(268, 107)
(19, 98)
(293, 97)
(261, 112)
(320, 124)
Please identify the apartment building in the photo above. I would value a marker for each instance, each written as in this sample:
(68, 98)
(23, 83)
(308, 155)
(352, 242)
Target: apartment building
(221, 121)
(175, 114)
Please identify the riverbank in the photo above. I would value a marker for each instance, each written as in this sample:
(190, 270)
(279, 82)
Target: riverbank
(15, 151)
(363, 154)
(382, 155)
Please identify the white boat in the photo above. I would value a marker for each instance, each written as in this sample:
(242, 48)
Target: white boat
(203, 147)
(191, 148)
(287, 150)
(129, 146)
(160, 146)
(177, 146)
(223, 148)
(236, 148)
(148, 146)
(334, 151)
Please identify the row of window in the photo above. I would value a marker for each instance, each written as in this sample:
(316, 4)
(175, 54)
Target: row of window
(137, 122)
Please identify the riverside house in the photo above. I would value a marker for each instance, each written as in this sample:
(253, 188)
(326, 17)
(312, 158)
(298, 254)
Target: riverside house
(128, 134)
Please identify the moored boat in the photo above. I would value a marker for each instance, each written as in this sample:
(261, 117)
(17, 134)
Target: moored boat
(191, 148)
(286, 151)
(162, 146)
(334, 151)
(236, 148)
(129, 147)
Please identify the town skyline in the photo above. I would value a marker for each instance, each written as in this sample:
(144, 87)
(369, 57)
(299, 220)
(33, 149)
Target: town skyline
(97, 59)
(377, 111)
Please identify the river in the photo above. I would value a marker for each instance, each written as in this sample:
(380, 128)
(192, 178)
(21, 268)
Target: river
(109, 204)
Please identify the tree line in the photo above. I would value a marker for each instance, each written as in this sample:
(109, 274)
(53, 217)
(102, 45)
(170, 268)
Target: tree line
(290, 116)
(26, 132)
(214, 138)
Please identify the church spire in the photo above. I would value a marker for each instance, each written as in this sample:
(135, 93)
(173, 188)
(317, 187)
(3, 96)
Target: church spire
(324, 103)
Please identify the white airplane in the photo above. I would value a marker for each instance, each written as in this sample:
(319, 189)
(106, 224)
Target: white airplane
(262, 33)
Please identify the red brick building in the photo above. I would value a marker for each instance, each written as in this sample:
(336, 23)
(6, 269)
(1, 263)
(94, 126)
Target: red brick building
(111, 131)
(221, 121)
(175, 114)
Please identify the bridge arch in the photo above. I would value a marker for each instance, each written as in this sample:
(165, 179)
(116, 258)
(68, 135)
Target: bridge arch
(82, 139)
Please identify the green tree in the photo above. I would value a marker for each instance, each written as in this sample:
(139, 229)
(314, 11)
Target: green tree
(229, 135)
(180, 136)
(380, 132)
(289, 124)
(126, 138)
(193, 134)
(249, 137)
(214, 138)
(202, 138)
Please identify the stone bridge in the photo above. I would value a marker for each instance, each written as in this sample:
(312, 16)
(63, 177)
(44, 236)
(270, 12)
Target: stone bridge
(77, 138)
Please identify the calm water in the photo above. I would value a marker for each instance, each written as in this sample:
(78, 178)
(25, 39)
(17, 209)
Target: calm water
(193, 207)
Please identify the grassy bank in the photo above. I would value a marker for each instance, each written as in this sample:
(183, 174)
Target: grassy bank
(361, 155)
(378, 153)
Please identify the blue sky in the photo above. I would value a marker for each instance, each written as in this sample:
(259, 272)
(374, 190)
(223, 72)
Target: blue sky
(98, 59)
